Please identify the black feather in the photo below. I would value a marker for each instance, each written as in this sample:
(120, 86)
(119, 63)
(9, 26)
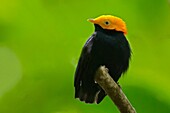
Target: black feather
(104, 47)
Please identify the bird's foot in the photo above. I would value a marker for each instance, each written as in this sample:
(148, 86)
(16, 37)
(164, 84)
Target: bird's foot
(119, 85)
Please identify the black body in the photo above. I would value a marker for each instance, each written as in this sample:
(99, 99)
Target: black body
(104, 47)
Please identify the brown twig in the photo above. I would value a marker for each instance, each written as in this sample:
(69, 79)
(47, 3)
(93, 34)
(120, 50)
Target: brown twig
(112, 89)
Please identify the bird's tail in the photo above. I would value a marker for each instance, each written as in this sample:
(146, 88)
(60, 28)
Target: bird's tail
(90, 95)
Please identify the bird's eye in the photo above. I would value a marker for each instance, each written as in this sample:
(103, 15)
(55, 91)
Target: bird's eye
(106, 22)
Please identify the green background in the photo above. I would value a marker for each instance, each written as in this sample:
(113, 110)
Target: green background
(41, 40)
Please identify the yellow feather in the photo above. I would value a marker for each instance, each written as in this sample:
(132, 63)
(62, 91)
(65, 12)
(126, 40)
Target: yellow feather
(110, 22)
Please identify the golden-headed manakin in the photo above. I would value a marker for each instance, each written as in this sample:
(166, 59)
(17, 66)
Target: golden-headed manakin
(107, 46)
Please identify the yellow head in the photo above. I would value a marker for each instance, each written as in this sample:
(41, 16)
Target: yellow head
(110, 22)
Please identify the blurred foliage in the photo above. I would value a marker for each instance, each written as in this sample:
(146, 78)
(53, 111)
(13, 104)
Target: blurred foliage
(41, 40)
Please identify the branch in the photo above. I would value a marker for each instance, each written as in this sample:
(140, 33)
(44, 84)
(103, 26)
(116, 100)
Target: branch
(112, 89)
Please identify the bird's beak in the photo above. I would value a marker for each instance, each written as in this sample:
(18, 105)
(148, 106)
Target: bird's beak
(91, 20)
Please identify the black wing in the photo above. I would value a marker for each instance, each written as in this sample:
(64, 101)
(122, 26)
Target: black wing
(83, 63)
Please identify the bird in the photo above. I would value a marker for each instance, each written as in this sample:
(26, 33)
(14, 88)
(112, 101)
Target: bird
(107, 46)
